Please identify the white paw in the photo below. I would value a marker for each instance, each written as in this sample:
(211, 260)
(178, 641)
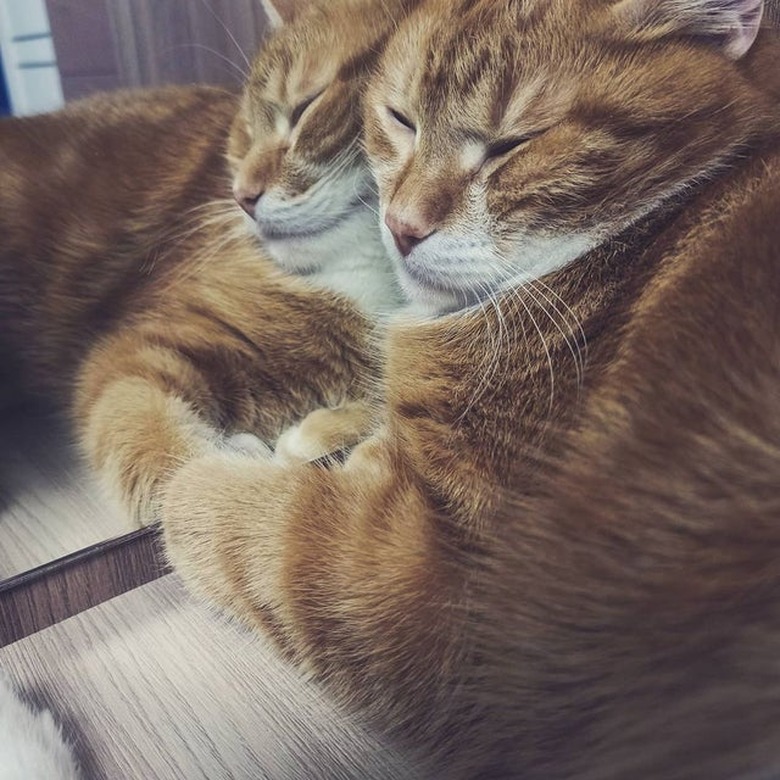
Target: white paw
(293, 446)
(247, 444)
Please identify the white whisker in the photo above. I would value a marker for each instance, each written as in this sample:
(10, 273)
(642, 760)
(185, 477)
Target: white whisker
(517, 294)
(230, 35)
(244, 74)
(569, 340)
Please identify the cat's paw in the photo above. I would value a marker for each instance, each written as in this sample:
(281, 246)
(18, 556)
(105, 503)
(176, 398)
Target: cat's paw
(216, 511)
(324, 432)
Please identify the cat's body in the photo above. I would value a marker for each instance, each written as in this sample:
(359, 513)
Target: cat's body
(99, 200)
(534, 555)
(635, 601)
(149, 314)
(135, 293)
(539, 566)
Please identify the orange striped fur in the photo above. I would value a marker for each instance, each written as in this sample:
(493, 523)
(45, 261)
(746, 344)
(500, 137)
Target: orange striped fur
(547, 562)
(135, 292)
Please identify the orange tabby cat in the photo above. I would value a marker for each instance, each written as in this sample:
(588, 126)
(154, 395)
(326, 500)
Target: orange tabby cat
(142, 302)
(557, 554)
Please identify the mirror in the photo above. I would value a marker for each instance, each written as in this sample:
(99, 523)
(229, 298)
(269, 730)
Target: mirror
(50, 505)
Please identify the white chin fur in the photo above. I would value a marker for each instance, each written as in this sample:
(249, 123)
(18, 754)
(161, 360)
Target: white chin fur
(327, 202)
(31, 744)
(349, 259)
(329, 235)
(447, 273)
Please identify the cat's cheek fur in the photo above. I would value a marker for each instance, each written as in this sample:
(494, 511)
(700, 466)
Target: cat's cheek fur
(460, 267)
(424, 301)
(321, 205)
(329, 235)
(533, 257)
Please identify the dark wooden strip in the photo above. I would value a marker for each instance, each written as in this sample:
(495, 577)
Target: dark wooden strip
(56, 591)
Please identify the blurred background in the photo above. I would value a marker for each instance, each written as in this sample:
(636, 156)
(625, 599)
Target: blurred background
(52, 51)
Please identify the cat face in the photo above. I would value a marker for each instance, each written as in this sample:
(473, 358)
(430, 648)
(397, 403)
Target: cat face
(294, 149)
(508, 138)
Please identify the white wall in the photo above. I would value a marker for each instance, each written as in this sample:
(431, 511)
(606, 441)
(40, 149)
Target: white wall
(28, 56)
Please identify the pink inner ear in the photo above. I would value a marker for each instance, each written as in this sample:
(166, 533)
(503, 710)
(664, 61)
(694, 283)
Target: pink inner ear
(742, 36)
(732, 25)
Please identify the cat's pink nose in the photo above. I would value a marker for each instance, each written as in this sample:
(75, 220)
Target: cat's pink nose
(247, 198)
(408, 231)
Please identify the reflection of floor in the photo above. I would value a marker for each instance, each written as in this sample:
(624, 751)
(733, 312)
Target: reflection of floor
(150, 686)
(49, 506)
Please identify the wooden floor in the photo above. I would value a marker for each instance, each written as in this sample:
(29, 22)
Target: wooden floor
(152, 686)
(49, 506)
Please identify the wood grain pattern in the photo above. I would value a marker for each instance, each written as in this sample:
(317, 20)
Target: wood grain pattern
(44, 596)
(49, 505)
(150, 685)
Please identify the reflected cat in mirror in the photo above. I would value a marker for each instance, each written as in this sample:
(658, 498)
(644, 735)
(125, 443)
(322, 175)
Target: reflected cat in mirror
(556, 556)
(136, 293)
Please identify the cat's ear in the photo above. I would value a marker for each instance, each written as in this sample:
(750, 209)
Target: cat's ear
(730, 25)
(280, 12)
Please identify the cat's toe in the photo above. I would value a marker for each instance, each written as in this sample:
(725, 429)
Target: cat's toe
(295, 446)
(324, 433)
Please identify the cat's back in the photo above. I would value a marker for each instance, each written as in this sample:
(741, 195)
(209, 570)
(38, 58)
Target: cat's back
(94, 202)
(130, 111)
(120, 149)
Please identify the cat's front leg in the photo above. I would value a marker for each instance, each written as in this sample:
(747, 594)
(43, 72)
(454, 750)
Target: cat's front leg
(223, 522)
(135, 433)
(205, 375)
(344, 567)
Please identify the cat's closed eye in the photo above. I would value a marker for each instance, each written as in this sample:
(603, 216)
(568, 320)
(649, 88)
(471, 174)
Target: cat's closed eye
(301, 108)
(401, 119)
(507, 145)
